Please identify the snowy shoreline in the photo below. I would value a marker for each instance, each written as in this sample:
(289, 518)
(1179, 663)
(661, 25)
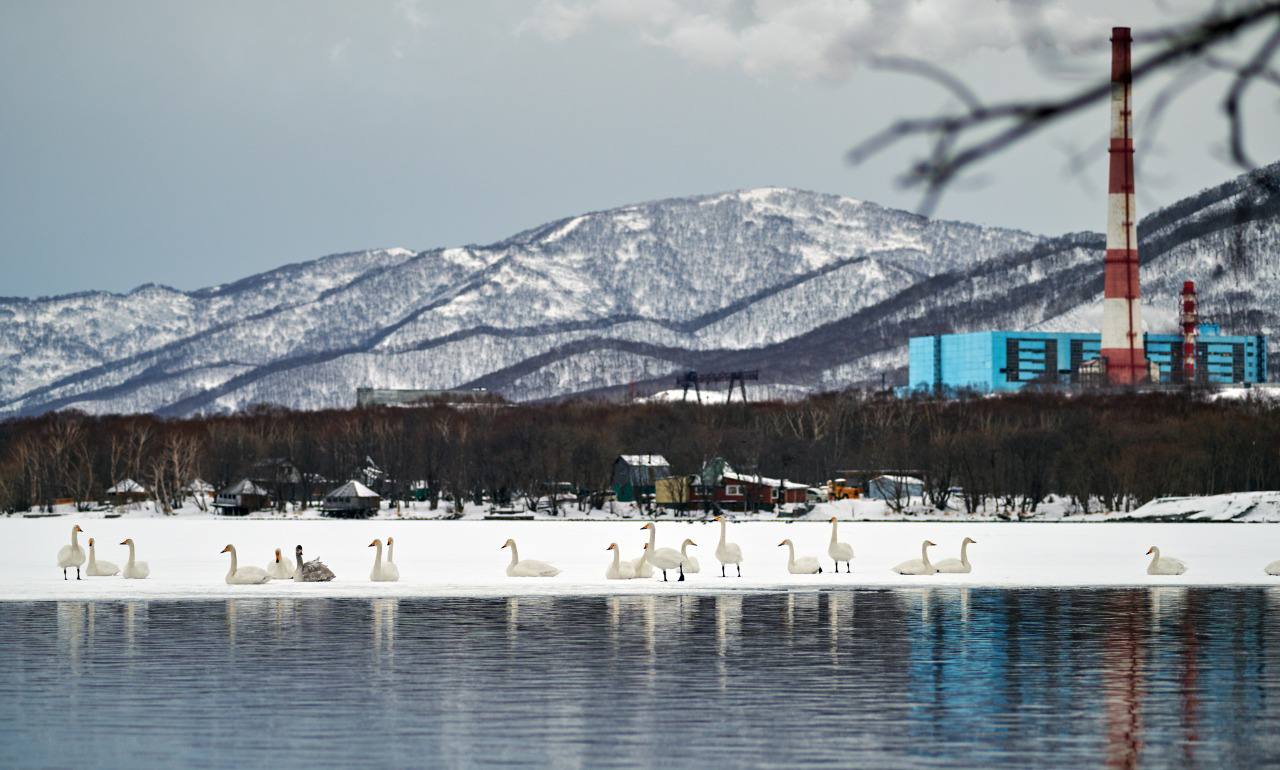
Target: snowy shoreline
(463, 558)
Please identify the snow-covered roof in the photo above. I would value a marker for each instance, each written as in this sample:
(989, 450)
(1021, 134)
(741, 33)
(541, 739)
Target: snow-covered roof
(244, 487)
(900, 480)
(352, 489)
(751, 478)
(128, 486)
(198, 485)
(652, 461)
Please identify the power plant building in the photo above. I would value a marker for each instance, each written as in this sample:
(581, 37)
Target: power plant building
(1120, 353)
(999, 361)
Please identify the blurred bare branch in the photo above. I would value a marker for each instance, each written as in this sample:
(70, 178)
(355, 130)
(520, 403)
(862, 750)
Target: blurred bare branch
(964, 138)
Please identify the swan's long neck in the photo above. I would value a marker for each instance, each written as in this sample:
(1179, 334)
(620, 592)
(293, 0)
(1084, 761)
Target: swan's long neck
(93, 557)
(791, 554)
(653, 537)
(75, 539)
(617, 558)
(683, 548)
(391, 549)
(722, 528)
(377, 558)
(833, 533)
(515, 555)
(1155, 556)
(297, 553)
(964, 553)
(924, 555)
(233, 557)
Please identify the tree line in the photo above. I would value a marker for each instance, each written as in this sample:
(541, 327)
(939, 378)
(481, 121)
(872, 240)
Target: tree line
(1009, 454)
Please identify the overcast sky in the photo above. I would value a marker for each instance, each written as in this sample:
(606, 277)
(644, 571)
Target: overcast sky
(192, 144)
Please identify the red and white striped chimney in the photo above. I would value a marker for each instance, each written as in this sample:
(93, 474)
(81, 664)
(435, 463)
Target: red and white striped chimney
(1190, 331)
(1121, 317)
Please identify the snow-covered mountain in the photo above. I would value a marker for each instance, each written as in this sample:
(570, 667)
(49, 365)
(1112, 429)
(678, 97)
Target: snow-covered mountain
(817, 291)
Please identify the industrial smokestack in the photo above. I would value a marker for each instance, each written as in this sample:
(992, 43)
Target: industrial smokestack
(1122, 349)
(1190, 330)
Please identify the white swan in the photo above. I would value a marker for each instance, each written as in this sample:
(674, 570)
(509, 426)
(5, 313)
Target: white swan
(662, 558)
(279, 568)
(921, 566)
(99, 568)
(526, 567)
(839, 552)
(805, 565)
(71, 555)
(642, 567)
(1164, 565)
(243, 576)
(313, 571)
(618, 569)
(380, 574)
(689, 563)
(389, 568)
(960, 565)
(727, 553)
(133, 569)
(1273, 568)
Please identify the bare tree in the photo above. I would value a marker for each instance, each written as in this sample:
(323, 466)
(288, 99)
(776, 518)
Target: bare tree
(965, 137)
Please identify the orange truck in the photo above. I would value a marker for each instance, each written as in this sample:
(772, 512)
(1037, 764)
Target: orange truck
(839, 489)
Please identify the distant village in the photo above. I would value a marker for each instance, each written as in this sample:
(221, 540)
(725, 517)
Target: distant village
(1008, 456)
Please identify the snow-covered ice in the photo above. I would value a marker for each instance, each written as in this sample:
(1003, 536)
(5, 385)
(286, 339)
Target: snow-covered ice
(464, 558)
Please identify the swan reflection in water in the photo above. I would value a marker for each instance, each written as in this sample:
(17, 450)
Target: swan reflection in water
(71, 631)
(728, 634)
(384, 625)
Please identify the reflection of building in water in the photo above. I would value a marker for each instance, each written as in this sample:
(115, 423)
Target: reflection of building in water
(1124, 662)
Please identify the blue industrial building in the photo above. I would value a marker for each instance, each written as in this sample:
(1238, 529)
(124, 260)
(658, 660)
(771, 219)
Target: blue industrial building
(1004, 360)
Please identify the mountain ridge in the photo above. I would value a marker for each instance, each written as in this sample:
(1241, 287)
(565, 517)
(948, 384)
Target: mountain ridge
(815, 289)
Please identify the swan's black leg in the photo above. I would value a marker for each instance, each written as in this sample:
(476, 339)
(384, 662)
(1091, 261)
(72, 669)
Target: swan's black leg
(837, 566)
(664, 576)
(64, 573)
(739, 570)
(681, 580)
(77, 573)
(819, 570)
(722, 571)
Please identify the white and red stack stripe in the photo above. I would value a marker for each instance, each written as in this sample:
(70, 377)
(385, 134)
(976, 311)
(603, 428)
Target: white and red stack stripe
(1122, 347)
(1190, 331)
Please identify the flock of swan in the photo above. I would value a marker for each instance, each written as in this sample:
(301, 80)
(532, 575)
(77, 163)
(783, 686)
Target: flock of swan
(652, 559)
(301, 571)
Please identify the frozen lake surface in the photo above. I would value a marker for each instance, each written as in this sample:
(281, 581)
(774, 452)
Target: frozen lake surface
(464, 558)
(1165, 676)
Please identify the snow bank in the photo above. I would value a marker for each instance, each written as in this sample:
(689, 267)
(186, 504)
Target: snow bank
(463, 558)
(1238, 506)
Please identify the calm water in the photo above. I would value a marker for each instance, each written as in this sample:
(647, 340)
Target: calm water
(926, 678)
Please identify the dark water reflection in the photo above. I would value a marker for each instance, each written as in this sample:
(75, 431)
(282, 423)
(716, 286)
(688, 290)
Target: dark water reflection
(1166, 677)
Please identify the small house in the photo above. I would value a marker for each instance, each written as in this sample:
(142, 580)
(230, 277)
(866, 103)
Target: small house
(895, 488)
(635, 477)
(126, 492)
(720, 486)
(352, 500)
(241, 498)
(198, 488)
